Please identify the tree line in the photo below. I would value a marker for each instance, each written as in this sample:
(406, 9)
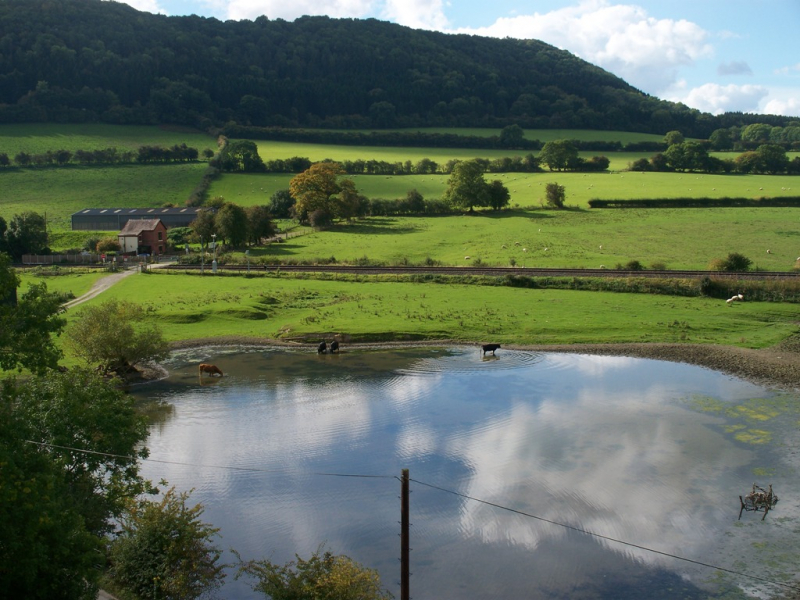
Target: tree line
(691, 156)
(118, 65)
(177, 153)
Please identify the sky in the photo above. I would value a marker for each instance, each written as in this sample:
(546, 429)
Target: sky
(713, 55)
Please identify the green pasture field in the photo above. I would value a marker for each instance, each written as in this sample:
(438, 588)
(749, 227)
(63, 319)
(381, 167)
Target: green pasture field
(273, 307)
(37, 138)
(393, 154)
(61, 280)
(527, 189)
(543, 135)
(59, 192)
(677, 238)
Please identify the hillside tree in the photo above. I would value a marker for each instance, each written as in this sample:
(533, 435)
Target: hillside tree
(466, 187)
(116, 337)
(559, 155)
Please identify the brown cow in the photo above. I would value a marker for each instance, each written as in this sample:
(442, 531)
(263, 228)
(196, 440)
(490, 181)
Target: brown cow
(210, 369)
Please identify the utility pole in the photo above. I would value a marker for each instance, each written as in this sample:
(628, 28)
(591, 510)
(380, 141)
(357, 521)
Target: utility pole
(404, 538)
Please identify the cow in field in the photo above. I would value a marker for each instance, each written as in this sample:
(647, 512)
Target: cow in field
(334, 346)
(322, 348)
(489, 348)
(210, 369)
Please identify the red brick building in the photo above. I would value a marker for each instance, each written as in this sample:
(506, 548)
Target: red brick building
(143, 236)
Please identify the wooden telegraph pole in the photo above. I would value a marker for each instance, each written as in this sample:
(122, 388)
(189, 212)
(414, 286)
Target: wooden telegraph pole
(404, 538)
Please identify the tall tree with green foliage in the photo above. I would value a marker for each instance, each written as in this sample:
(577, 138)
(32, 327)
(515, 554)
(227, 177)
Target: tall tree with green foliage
(46, 552)
(28, 324)
(116, 336)
(559, 155)
(466, 187)
(241, 155)
(26, 234)
(165, 550)
(259, 224)
(323, 576)
(91, 430)
(231, 224)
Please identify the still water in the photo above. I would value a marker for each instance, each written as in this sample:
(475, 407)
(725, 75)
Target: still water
(290, 450)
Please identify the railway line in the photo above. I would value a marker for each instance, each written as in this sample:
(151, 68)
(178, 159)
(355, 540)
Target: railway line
(494, 271)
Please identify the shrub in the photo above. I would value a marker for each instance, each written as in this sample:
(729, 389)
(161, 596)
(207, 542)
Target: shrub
(658, 266)
(320, 218)
(108, 244)
(555, 195)
(736, 262)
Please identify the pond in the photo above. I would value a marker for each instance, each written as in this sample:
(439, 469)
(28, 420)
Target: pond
(534, 475)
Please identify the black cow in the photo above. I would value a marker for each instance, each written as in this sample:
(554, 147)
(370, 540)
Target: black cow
(489, 348)
(322, 348)
(334, 346)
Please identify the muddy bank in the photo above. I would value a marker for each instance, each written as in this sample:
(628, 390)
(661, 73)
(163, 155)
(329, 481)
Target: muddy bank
(778, 366)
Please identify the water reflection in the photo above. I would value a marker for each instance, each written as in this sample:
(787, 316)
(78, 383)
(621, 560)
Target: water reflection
(609, 445)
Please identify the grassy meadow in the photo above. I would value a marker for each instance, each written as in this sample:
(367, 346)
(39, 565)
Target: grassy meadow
(527, 189)
(59, 192)
(37, 138)
(678, 238)
(285, 307)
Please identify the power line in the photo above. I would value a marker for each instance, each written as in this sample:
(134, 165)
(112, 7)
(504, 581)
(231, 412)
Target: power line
(605, 537)
(207, 466)
(432, 486)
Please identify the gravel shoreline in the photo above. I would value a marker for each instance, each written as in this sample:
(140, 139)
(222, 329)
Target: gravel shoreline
(778, 366)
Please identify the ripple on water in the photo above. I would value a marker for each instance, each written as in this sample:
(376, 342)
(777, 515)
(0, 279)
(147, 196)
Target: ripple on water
(470, 359)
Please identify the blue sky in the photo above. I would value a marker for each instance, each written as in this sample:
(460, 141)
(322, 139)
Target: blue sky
(713, 55)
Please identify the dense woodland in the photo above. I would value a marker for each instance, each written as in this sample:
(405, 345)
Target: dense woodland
(87, 60)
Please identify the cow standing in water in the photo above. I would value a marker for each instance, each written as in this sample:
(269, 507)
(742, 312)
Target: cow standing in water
(210, 369)
(322, 348)
(489, 348)
(334, 346)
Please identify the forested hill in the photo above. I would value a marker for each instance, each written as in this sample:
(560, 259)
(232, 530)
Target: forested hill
(86, 60)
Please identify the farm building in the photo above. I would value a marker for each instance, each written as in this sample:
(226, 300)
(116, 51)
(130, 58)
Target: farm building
(143, 236)
(110, 219)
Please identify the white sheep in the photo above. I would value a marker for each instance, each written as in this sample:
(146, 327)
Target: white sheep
(516, 243)
(524, 249)
(545, 249)
(504, 246)
(769, 251)
(466, 258)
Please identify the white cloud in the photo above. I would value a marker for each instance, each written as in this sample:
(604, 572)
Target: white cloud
(419, 14)
(789, 107)
(791, 70)
(622, 38)
(716, 99)
(280, 9)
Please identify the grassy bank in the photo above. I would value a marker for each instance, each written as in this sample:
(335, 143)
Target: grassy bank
(192, 307)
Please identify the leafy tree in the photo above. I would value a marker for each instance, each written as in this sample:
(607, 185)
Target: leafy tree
(115, 336)
(279, 204)
(512, 136)
(316, 188)
(46, 553)
(674, 137)
(165, 551)
(93, 434)
(350, 203)
(555, 195)
(748, 162)
(721, 140)
(687, 156)
(415, 202)
(27, 234)
(772, 158)
(259, 224)
(241, 155)
(231, 224)
(27, 325)
(499, 195)
(559, 155)
(466, 187)
(323, 576)
(756, 132)
(204, 226)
